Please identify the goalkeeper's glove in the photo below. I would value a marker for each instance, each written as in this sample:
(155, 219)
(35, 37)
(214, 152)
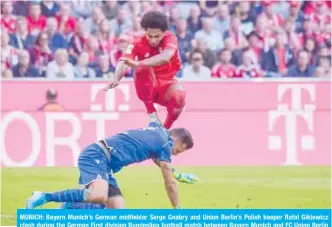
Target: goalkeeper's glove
(184, 177)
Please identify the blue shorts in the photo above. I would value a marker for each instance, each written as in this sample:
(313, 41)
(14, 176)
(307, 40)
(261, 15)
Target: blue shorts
(93, 164)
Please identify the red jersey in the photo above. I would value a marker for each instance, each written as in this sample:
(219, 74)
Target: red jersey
(245, 72)
(69, 26)
(36, 26)
(142, 50)
(311, 6)
(223, 71)
(8, 23)
(322, 19)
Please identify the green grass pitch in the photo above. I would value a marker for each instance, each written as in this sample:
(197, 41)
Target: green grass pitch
(219, 187)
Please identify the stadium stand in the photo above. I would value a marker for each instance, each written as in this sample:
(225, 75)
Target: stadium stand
(217, 39)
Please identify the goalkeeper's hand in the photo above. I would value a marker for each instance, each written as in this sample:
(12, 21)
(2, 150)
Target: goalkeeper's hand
(184, 177)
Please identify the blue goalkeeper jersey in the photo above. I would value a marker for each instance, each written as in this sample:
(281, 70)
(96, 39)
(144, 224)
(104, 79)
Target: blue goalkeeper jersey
(138, 145)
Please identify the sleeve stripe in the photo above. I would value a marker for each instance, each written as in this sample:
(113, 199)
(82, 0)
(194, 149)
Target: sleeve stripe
(166, 144)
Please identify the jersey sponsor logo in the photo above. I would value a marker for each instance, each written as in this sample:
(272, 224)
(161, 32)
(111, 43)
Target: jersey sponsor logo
(129, 49)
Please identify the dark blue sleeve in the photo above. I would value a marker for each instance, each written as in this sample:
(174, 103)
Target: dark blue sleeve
(165, 153)
(163, 144)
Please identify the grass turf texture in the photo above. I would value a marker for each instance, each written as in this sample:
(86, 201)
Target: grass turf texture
(219, 187)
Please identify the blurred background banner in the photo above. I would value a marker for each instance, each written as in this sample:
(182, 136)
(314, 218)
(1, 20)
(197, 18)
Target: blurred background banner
(266, 122)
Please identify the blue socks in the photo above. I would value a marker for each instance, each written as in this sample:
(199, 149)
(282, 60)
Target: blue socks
(73, 199)
(70, 195)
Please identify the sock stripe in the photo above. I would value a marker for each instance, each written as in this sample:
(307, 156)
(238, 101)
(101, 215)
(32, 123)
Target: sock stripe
(71, 195)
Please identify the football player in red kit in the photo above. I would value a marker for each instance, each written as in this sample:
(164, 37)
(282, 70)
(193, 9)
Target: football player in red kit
(156, 60)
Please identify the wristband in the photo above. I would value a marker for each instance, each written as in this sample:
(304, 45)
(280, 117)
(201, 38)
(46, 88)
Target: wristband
(176, 174)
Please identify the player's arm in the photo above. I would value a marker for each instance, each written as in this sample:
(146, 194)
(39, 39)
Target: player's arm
(121, 67)
(169, 49)
(156, 60)
(120, 71)
(181, 177)
(118, 75)
(170, 184)
(159, 59)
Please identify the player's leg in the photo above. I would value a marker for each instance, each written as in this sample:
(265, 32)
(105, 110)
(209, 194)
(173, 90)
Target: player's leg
(95, 193)
(175, 98)
(115, 198)
(144, 84)
(94, 175)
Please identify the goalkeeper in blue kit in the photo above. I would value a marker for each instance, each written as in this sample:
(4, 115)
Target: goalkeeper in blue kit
(99, 161)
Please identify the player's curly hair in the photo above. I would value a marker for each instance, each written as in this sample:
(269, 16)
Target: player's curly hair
(155, 20)
(184, 135)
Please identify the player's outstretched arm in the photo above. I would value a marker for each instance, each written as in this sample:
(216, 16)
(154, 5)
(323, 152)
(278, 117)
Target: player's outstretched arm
(159, 59)
(120, 71)
(181, 177)
(170, 184)
(156, 60)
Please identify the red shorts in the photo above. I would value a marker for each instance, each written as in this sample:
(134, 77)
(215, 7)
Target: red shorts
(152, 89)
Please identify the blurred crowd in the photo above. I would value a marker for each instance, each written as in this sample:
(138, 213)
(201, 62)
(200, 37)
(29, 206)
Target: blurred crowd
(217, 39)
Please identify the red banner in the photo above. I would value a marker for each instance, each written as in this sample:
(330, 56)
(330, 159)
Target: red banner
(233, 123)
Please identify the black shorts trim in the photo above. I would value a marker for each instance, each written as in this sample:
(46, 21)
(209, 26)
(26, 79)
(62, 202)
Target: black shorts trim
(113, 191)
